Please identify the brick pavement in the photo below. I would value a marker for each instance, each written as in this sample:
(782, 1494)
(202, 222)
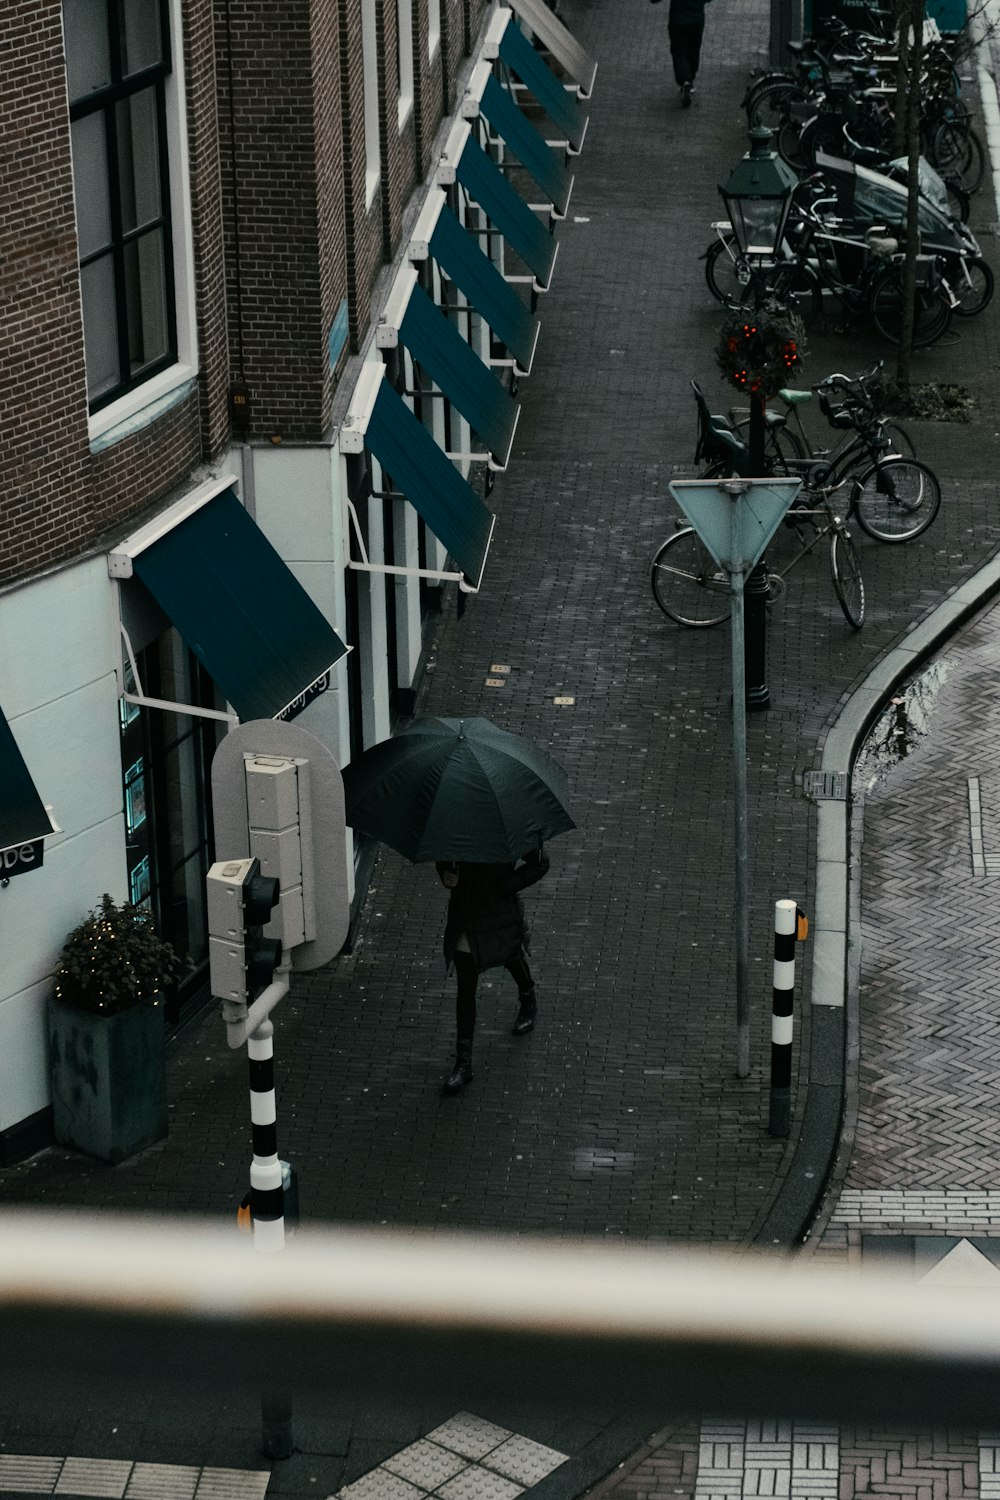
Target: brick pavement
(620, 1115)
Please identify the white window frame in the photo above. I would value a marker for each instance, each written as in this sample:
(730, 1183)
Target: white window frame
(151, 393)
(373, 134)
(404, 56)
(433, 26)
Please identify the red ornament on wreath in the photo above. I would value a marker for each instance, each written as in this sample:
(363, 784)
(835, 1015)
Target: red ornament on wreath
(760, 352)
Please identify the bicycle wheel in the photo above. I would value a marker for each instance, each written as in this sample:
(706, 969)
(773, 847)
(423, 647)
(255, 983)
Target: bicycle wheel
(896, 500)
(973, 286)
(957, 153)
(958, 200)
(788, 143)
(688, 585)
(771, 105)
(848, 584)
(931, 309)
(720, 271)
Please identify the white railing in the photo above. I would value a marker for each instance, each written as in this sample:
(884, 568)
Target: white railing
(472, 1317)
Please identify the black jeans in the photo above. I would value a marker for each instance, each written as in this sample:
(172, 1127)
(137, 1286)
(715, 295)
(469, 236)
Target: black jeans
(685, 49)
(465, 1000)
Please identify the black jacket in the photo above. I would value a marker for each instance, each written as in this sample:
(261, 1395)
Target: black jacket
(687, 12)
(486, 906)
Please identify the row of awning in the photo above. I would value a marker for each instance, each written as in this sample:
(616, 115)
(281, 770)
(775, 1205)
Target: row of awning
(505, 171)
(205, 562)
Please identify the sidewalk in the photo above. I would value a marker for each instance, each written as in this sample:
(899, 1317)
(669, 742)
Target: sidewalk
(620, 1115)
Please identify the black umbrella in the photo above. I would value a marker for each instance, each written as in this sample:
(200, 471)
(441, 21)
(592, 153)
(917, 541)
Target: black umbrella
(457, 789)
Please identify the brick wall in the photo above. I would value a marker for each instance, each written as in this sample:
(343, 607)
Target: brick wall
(207, 224)
(278, 339)
(330, 187)
(59, 499)
(453, 46)
(282, 231)
(362, 221)
(45, 510)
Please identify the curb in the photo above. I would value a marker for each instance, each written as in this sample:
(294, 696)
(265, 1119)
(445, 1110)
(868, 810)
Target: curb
(836, 939)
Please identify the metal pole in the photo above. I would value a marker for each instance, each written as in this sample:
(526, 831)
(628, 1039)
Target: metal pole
(267, 1208)
(782, 1024)
(736, 580)
(757, 587)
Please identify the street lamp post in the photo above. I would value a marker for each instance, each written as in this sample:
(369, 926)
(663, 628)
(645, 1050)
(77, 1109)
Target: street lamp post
(758, 198)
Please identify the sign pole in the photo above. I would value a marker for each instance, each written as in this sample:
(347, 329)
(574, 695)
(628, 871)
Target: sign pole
(742, 871)
(735, 519)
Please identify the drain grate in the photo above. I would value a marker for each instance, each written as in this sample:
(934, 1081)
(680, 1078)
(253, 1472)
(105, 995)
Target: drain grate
(829, 786)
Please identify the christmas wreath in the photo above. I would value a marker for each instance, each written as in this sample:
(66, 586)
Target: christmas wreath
(761, 351)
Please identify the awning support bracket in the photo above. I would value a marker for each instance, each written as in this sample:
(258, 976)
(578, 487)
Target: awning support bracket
(146, 702)
(365, 566)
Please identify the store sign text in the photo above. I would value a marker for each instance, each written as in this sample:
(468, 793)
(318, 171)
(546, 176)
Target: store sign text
(21, 858)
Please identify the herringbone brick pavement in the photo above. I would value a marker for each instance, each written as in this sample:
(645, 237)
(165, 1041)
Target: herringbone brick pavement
(936, 1465)
(929, 1087)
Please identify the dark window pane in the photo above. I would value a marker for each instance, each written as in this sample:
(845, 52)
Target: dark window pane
(146, 298)
(88, 61)
(90, 183)
(138, 160)
(97, 282)
(140, 35)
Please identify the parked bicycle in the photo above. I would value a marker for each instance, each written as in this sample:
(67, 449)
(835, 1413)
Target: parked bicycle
(691, 589)
(893, 496)
(856, 261)
(689, 586)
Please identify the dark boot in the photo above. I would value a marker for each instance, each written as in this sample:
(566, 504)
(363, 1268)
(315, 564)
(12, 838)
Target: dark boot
(461, 1074)
(527, 1010)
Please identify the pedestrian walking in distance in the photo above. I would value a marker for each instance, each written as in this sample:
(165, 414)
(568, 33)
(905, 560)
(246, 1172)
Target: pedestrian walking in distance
(486, 929)
(686, 26)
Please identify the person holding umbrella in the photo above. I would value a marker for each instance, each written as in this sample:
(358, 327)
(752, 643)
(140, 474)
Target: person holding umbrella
(479, 802)
(486, 928)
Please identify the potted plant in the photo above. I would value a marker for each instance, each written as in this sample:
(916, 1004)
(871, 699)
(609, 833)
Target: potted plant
(106, 1033)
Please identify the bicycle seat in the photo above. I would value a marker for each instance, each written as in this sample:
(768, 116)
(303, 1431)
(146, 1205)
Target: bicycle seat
(795, 398)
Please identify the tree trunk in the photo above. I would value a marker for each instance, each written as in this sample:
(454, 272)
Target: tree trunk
(915, 53)
(902, 88)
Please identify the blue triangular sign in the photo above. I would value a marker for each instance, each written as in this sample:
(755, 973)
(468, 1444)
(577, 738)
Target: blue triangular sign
(757, 507)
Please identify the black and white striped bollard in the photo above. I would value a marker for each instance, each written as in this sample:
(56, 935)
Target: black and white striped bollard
(267, 1209)
(786, 927)
(267, 1197)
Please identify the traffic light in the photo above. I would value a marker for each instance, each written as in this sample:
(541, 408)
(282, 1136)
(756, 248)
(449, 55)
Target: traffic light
(262, 954)
(241, 959)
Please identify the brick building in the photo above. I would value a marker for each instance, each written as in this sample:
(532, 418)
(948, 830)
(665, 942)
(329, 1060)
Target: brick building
(272, 270)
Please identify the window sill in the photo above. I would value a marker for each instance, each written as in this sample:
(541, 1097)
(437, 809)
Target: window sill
(141, 407)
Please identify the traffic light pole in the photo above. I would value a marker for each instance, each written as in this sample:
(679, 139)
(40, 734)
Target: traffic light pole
(240, 1029)
(267, 1208)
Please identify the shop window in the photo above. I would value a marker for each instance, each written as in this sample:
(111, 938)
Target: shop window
(166, 783)
(118, 66)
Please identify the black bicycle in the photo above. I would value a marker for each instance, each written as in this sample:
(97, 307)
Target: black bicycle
(691, 588)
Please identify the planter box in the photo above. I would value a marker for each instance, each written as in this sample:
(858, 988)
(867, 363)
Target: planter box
(109, 1095)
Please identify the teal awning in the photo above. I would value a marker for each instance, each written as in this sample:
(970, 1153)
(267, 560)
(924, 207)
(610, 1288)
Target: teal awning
(430, 482)
(458, 371)
(457, 252)
(240, 609)
(520, 137)
(23, 818)
(543, 23)
(520, 227)
(562, 105)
